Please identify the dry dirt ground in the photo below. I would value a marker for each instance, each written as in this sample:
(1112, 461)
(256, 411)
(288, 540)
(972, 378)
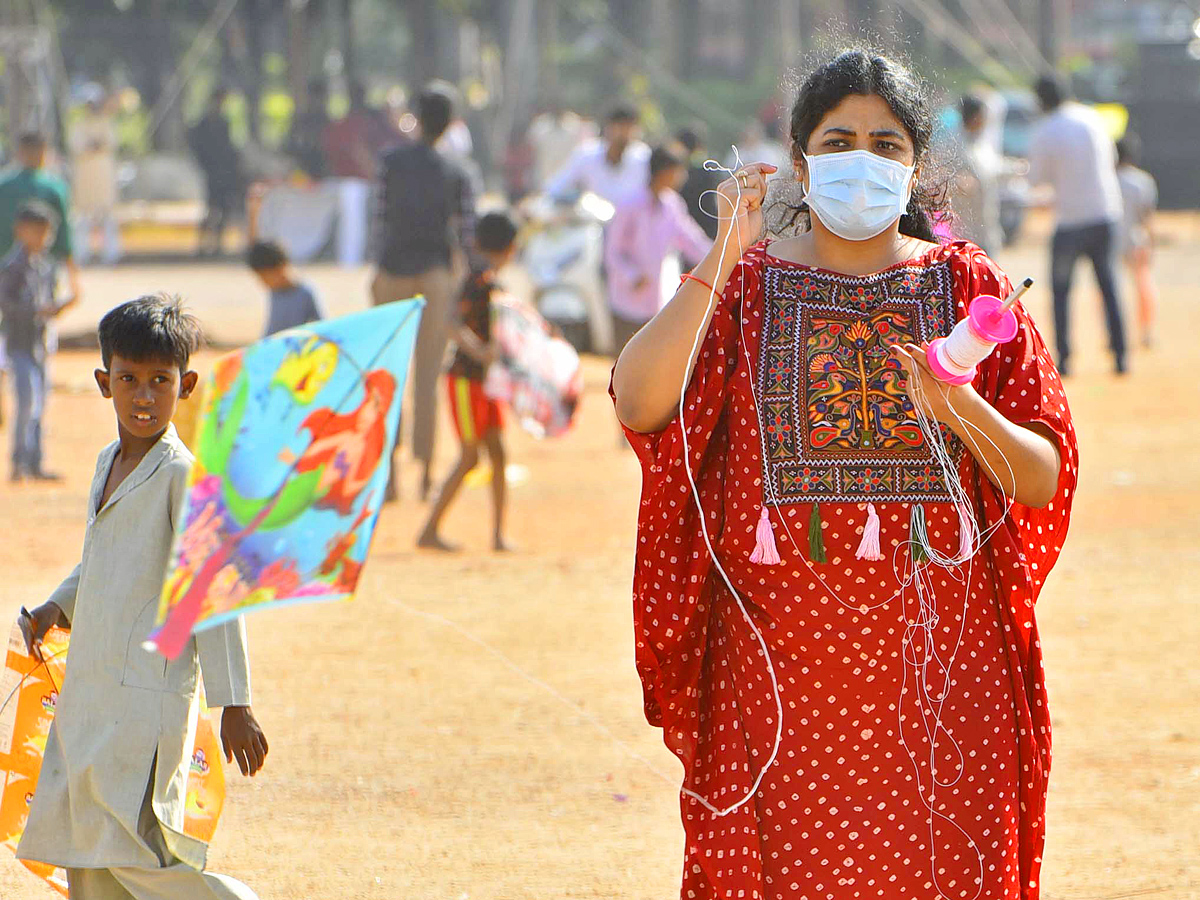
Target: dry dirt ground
(471, 726)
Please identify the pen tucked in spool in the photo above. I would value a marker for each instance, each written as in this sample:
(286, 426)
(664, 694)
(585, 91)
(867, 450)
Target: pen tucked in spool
(990, 321)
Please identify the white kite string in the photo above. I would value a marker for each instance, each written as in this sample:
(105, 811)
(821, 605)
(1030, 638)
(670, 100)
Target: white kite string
(713, 165)
(926, 623)
(537, 682)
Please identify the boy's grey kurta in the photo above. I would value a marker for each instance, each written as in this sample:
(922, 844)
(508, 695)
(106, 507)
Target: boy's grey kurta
(126, 717)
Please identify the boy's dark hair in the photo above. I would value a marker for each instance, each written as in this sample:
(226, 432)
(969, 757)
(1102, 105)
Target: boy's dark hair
(621, 113)
(1051, 91)
(495, 232)
(662, 158)
(435, 109)
(38, 213)
(152, 327)
(265, 255)
(1129, 149)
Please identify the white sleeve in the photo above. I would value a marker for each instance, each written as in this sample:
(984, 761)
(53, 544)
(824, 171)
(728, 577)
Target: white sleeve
(225, 663)
(565, 178)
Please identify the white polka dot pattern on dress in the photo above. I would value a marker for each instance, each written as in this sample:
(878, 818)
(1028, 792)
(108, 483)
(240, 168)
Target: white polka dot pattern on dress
(844, 811)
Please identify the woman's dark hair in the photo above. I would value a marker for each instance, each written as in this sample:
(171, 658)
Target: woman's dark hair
(868, 73)
(153, 327)
(662, 158)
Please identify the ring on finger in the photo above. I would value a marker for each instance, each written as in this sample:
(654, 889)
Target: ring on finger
(742, 178)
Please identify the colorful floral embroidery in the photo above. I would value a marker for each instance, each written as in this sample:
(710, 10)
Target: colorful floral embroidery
(836, 419)
(807, 482)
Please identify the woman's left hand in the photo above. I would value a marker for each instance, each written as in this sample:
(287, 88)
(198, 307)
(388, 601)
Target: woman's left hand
(941, 398)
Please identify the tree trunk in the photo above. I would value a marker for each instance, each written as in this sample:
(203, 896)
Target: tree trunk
(160, 60)
(349, 54)
(548, 30)
(663, 33)
(790, 42)
(297, 56)
(423, 55)
(1050, 24)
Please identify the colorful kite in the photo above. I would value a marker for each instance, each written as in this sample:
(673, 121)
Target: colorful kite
(538, 376)
(28, 694)
(292, 448)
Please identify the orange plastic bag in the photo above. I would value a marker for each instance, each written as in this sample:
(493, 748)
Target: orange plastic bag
(28, 694)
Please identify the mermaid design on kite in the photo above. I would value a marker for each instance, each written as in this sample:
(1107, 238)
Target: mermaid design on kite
(220, 561)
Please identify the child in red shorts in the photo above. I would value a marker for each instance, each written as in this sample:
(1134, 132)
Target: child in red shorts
(478, 419)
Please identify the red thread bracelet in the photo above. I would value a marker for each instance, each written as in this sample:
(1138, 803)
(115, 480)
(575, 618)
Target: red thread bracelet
(688, 275)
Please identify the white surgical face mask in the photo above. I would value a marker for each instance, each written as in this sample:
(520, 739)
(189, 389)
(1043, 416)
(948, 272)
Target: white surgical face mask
(857, 194)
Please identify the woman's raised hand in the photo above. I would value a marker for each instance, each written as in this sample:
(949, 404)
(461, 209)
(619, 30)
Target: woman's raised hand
(739, 207)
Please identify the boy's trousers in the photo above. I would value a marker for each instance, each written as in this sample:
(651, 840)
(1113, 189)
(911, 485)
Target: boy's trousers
(29, 384)
(174, 881)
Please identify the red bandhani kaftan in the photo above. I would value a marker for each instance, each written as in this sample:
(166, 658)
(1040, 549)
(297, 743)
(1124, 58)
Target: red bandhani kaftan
(915, 739)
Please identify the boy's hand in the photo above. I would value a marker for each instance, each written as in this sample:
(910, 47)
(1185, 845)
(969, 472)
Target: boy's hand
(34, 625)
(243, 739)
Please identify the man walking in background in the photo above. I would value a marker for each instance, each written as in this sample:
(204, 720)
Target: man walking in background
(615, 167)
(220, 162)
(1071, 152)
(426, 226)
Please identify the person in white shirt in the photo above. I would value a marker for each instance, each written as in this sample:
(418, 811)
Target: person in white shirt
(976, 189)
(554, 135)
(616, 167)
(1071, 152)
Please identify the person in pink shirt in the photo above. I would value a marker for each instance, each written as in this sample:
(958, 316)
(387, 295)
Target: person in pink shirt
(644, 230)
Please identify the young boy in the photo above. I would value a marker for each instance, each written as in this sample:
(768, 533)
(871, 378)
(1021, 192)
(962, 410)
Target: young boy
(478, 419)
(27, 304)
(109, 805)
(291, 302)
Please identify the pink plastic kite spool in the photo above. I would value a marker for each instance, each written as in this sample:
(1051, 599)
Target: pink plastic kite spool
(989, 322)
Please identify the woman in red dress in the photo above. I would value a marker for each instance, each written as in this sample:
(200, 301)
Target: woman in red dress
(838, 644)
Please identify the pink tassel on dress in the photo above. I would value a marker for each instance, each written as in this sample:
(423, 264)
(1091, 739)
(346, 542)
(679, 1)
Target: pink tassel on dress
(966, 533)
(868, 548)
(765, 552)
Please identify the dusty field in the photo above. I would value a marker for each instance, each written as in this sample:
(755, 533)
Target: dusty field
(471, 726)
